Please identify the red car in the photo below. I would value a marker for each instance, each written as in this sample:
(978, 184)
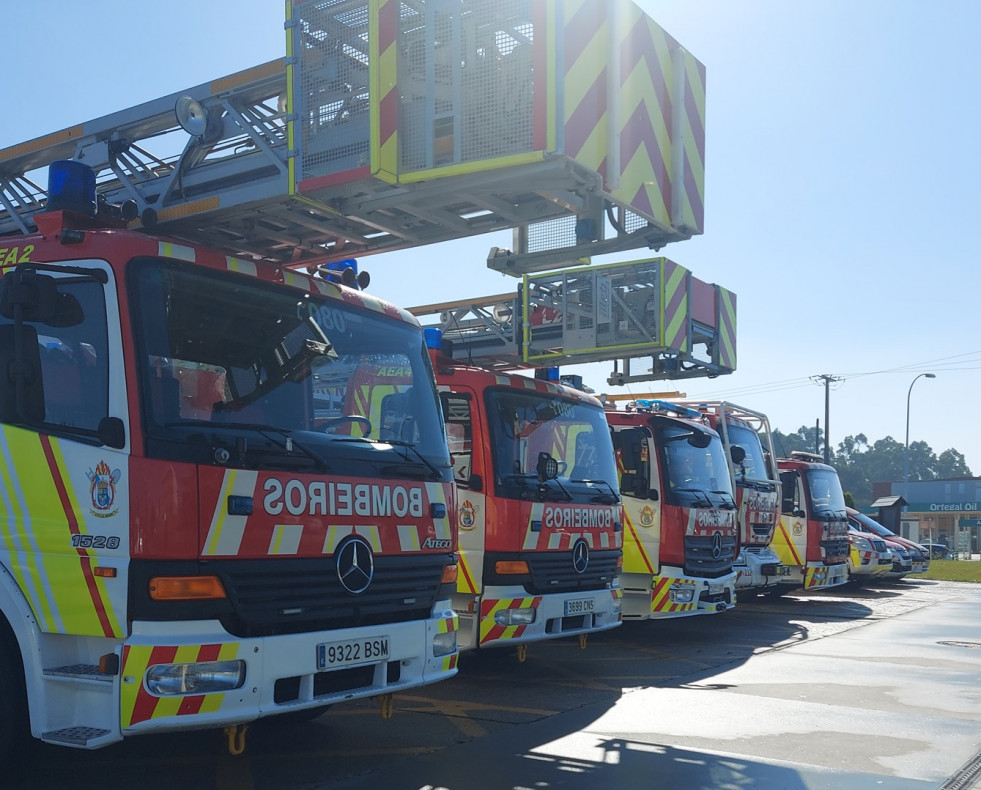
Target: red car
(919, 557)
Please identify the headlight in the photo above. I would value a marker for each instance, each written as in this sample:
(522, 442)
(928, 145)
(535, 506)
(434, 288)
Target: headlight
(506, 617)
(206, 677)
(444, 644)
(682, 593)
(862, 544)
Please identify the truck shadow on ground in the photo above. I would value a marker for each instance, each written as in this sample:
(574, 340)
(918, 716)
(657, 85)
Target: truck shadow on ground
(559, 687)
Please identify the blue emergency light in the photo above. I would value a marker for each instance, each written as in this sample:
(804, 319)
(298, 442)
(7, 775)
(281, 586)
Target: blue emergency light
(71, 187)
(434, 337)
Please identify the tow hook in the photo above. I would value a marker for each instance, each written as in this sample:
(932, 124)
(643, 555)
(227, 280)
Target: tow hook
(522, 653)
(386, 703)
(236, 738)
(582, 641)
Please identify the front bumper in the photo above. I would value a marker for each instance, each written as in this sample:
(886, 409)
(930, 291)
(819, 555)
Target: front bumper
(505, 612)
(757, 566)
(281, 672)
(674, 594)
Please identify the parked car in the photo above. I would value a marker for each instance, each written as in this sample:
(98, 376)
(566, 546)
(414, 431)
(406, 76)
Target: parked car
(908, 555)
(939, 551)
(869, 556)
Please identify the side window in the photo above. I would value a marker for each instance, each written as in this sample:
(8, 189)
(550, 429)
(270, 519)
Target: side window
(74, 357)
(791, 497)
(459, 434)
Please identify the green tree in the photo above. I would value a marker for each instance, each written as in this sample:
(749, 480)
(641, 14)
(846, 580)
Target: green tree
(803, 438)
(861, 464)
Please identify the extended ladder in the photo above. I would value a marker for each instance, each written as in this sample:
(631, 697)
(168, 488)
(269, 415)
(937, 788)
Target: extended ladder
(397, 123)
(653, 309)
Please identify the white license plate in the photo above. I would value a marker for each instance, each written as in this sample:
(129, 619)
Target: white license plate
(353, 651)
(579, 606)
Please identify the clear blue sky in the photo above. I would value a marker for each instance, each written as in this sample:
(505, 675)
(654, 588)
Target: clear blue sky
(842, 175)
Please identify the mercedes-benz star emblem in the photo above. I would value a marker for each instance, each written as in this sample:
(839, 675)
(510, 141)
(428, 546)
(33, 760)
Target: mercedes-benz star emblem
(580, 556)
(355, 565)
(716, 545)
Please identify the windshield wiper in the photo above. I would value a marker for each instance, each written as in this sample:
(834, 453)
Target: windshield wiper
(700, 492)
(263, 430)
(613, 494)
(731, 504)
(415, 451)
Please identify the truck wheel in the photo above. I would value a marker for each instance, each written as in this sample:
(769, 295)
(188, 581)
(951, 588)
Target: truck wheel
(13, 699)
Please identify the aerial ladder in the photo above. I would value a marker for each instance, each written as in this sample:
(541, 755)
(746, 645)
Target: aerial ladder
(391, 124)
(653, 311)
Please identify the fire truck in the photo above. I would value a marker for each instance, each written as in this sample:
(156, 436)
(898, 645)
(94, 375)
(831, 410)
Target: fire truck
(192, 538)
(812, 539)
(679, 512)
(749, 447)
(206, 522)
(539, 507)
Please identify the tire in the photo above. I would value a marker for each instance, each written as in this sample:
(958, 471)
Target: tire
(13, 698)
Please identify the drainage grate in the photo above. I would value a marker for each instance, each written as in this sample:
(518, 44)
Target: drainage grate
(967, 773)
(954, 643)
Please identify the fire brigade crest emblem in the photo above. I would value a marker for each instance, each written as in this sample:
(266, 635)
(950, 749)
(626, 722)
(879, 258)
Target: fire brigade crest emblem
(647, 517)
(468, 515)
(102, 489)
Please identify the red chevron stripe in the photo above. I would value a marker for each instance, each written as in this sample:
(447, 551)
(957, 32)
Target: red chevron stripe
(146, 703)
(639, 46)
(581, 29)
(639, 131)
(586, 117)
(85, 562)
(694, 195)
(691, 110)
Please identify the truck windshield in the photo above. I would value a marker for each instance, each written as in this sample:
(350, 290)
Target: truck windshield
(824, 490)
(695, 472)
(242, 371)
(522, 425)
(753, 466)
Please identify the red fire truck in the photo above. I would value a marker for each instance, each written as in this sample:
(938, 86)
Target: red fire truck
(539, 507)
(679, 512)
(749, 447)
(195, 536)
(812, 540)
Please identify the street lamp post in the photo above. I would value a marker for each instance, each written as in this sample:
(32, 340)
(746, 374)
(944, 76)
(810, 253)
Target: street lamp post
(906, 448)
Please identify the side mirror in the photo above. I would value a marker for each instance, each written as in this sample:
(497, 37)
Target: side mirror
(738, 454)
(653, 495)
(38, 299)
(21, 387)
(699, 439)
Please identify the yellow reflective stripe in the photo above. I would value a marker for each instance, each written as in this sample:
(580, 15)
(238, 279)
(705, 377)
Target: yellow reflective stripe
(137, 658)
(77, 606)
(167, 249)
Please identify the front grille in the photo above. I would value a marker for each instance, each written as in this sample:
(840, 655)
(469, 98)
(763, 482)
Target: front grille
(762, 530)
(699, 560)
(552, 572)
(305, 595)
(836, 550)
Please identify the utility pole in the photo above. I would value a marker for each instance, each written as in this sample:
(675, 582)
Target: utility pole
(828, 379)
